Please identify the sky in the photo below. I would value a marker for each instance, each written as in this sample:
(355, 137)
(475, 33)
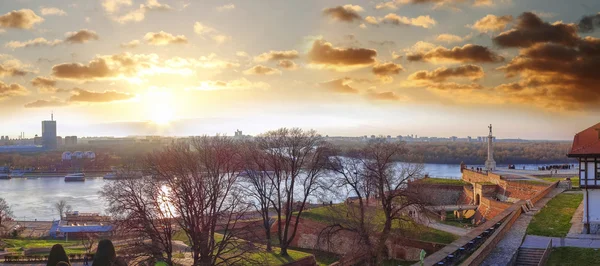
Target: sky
(345, 68)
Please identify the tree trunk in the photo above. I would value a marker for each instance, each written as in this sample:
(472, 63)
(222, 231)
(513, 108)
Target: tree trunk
(268, 237)
(284, 251)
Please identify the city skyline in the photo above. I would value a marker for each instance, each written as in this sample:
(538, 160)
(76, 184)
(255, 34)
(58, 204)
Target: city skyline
(344, 68)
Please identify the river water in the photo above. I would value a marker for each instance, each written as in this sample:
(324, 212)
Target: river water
(34, 198)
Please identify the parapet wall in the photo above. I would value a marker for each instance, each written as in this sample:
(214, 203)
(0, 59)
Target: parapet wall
(480, 177)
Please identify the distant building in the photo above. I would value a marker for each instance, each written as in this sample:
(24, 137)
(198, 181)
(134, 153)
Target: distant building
(71, 140)
(586, 148)
(60, 141)
(49, 134)
(37, 140)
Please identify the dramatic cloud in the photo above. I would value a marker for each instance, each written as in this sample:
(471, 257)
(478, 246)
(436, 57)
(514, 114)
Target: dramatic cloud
(347, 13)
(443, 73)
(339, 86)
(382, 96)
(81, 36)
(287, 64)
(52, 11)
(469, 53)
(112, 6)
(43, 82)
(139, 14)
(164, 38)
(325, 54)
(393, 19)
(82, 95)
(385, 71)
(96, 69)
(11, 71)
(46, 103)
(10, 90)
(589, 23)
(449, 38)
(225, 7)
(131, 44)
(492, 23)
(277, 55)
(261, 70)
(21, 19)
(530, 29)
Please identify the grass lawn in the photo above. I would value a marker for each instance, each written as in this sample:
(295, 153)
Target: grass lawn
(37, 243)
(574, 256)
(574, 180)
(443, 181)
(555, 218)
(410, 230)
(531, 182)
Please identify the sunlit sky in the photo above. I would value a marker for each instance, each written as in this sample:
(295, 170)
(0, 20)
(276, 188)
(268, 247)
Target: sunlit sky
(426, 67)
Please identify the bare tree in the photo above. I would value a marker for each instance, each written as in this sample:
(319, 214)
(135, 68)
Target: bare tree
(5, 211)
(259, 187)
(141, 213)
(296, 159)
(60, 207)
(201, 180)
(390, 181)
(88, 240)
(378, 184)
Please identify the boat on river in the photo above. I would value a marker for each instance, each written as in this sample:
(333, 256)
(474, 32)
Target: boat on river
(76, 177)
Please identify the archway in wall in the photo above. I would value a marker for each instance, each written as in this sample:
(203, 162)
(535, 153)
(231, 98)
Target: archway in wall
(477, 198)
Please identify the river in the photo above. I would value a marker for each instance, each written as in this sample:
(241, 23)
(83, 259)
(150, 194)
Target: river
(34, 198)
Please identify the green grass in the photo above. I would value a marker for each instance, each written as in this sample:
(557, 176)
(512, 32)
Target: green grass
(555, 218)
(574, 180)
(444, 181)
(574, 256)
(322, 257)
(37, 243)
(408, 229)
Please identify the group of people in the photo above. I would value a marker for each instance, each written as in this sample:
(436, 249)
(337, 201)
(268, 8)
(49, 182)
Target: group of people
(556, 167)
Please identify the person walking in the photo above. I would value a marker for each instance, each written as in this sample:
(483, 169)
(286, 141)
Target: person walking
(86, 260)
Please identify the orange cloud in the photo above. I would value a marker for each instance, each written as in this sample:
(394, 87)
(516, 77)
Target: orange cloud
(491, 23)
(163, 38)
(261, 70)
(530, 29)
(325, 54)
(347, 13)
(443, 73)
(21, 19)
(469, 53)
(339, 86)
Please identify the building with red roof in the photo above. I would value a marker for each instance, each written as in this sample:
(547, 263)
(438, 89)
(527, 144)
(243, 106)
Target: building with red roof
(586, 148)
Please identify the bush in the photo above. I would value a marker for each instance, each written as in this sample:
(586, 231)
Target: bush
(105, 254)
(57, 254)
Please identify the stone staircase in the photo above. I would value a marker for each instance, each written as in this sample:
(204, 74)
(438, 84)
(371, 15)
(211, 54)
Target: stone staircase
(529, 256)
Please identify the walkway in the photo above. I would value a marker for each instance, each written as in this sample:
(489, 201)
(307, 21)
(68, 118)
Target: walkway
(509, 245)
(532, 241)
(452, 207)
(577, 222)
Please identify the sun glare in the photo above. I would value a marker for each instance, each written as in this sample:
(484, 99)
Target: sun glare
(159, 105)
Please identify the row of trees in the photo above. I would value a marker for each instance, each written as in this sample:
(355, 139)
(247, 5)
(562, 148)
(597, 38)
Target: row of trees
(476, 152)
(207, 189)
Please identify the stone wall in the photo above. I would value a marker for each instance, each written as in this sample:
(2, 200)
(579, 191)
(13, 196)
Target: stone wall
(480, 177)
(520, 190)
(438, 194)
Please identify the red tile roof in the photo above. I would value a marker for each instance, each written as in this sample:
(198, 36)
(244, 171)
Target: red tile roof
(586, 142)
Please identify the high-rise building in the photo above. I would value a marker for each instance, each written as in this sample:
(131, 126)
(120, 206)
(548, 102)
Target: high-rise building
(49, 134)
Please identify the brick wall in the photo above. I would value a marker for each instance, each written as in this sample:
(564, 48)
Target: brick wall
(521, 190)
(480, 177)
(438, 194)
